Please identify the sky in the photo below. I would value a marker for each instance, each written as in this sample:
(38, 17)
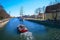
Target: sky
(13, 7)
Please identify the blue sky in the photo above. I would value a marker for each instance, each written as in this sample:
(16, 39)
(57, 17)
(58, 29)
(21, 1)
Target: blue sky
(29, 6)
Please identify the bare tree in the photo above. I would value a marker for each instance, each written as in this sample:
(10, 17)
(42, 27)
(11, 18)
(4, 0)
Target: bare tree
(38, 10)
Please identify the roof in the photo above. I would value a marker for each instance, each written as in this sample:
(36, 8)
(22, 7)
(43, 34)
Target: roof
(53, 8)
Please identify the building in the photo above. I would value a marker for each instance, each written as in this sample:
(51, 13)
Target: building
(3, 13)
(53, 12)
(40, 16)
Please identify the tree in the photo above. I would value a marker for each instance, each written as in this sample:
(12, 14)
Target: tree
(38, 10)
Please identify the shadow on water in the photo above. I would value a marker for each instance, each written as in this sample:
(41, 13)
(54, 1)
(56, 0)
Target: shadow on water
(10, 30)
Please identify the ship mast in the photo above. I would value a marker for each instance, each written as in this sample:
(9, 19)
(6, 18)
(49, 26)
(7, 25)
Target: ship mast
(21, 12)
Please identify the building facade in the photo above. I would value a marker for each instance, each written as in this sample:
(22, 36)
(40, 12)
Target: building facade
(41, 16)
(53, 12)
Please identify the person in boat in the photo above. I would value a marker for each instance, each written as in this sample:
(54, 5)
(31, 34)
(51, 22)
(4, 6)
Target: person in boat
(22, 29)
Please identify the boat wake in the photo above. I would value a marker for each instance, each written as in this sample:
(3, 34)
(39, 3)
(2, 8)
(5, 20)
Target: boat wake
(26, 36)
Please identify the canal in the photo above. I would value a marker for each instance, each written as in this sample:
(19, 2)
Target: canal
(40, 32)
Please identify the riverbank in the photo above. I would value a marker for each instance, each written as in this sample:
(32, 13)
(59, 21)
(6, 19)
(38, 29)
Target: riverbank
(50, 23)
(3, 22)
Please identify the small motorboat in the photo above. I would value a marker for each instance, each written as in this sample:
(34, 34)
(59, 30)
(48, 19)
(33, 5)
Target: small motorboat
(22, 29)
(24, 32)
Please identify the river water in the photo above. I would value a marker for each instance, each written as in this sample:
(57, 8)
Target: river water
(9, 32)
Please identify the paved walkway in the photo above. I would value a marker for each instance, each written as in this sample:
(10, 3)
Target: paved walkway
(3, 22)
